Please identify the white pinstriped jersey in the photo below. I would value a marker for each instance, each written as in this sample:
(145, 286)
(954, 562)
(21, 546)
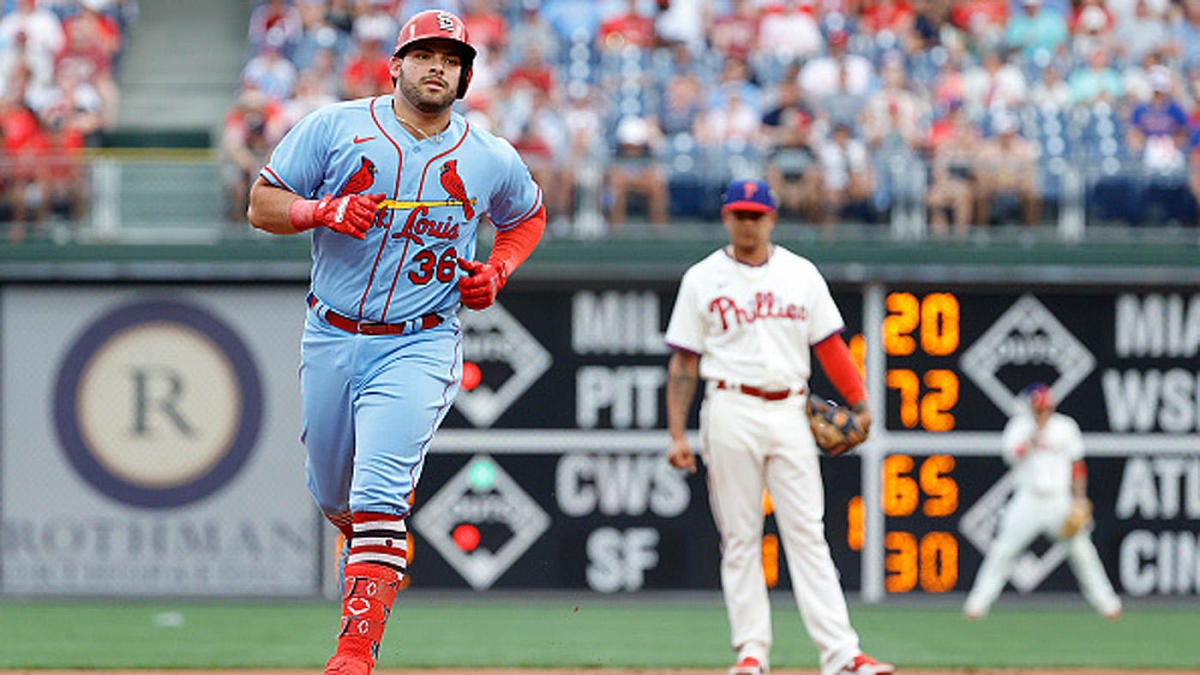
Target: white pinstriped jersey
(753, 324)
(1045, 468)
(406, 267)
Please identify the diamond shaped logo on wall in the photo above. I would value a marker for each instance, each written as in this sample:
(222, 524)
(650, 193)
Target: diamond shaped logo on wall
(1027, 334)
(493, 336)
(481, 522)
(980, 523)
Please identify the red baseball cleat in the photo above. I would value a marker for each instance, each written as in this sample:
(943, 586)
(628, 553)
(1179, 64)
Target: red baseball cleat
(748, 666)
(347, 665)
(865, 665)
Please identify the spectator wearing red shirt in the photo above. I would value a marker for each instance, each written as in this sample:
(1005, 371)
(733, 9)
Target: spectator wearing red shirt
(24, 149)
(102, 30)
(627, 28)
(486, 25)
(70, 112)
(735, 35)
(894, 16)
(944, 125)
(365, 72)
(984, 21)
(533, 72)
(86, 49)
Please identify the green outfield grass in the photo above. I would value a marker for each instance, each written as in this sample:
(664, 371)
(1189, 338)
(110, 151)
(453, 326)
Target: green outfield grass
(585, 631)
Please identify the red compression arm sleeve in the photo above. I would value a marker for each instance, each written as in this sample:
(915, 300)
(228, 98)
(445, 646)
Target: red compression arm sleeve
(1079, 469)
(837, 363)
(514, 245)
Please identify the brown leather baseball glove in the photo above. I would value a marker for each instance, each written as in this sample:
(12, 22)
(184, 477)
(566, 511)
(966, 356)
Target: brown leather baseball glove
(1077, 518)
(835, 428)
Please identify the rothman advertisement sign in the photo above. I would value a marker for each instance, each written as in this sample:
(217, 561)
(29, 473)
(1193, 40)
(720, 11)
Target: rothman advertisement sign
(151, 444)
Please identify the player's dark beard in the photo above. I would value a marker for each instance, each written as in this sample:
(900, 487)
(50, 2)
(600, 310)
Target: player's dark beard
(424, 102)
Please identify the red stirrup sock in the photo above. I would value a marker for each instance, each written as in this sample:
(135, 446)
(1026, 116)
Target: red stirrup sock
(375, 567)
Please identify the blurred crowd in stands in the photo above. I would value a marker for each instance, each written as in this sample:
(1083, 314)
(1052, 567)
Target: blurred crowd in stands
(960, 112)
(951, 113)
(58, 91)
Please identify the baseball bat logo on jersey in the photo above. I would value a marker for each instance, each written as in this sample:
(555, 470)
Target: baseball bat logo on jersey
(362, 179)
(454, 187)
(766, 306)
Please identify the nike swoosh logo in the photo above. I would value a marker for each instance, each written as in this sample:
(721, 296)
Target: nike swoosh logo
(363, 139)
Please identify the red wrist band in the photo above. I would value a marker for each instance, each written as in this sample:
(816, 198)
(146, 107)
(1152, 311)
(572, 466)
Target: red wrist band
(301, 212)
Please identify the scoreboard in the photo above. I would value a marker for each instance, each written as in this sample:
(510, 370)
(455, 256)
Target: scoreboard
(572, 394)
(1122, 363)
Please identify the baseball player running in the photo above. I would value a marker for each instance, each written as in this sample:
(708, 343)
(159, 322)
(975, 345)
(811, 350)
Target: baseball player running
(744, 321)
(392, 189)
(1045, 449)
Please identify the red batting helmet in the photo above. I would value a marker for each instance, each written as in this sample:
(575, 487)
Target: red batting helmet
(438, 24)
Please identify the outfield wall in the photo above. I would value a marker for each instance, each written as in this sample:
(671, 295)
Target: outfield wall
(149, 438)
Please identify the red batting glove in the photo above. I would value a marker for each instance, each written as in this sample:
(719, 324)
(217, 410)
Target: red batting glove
(482, 283)
(351, 214)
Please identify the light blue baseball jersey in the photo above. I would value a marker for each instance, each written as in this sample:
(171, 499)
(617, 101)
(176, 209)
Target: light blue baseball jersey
(373, 402)
(407, 265)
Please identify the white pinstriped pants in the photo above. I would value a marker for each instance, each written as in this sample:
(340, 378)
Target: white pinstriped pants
(750, 444)
(1025, 517)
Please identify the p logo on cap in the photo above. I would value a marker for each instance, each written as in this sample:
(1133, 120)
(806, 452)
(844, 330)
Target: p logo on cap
(748, 195)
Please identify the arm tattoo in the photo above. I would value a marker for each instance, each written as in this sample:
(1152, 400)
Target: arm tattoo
(681, 389)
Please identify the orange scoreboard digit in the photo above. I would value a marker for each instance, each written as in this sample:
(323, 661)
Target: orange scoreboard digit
(928, 559)
(921, 336)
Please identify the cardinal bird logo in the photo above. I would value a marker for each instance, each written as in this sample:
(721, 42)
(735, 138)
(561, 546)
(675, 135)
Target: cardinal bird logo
(454, 187)
(361, 180)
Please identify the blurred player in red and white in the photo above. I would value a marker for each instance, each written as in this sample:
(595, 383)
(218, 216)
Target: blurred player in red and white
(1045, 450)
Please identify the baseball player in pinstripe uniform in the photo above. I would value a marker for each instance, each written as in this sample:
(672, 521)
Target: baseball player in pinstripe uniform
(1045, 450)
(392, 189)
(744, 321)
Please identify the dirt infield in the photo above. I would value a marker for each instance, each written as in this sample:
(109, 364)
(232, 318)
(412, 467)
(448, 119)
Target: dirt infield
(616, 671)
(610, 671)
